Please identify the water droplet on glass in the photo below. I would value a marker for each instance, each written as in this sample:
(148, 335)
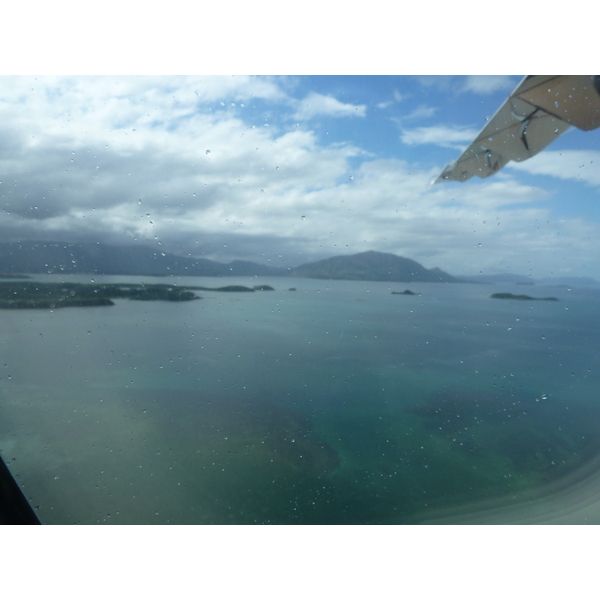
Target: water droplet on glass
(208, 152)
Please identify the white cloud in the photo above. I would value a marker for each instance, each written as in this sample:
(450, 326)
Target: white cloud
(397, 97)
(116, 160)
(577, 165)
(319, 105)
(420, 112)
(144, 160)
(440, 135)
(81, 109)
(500, 226)
(475, 84)
(488, 84)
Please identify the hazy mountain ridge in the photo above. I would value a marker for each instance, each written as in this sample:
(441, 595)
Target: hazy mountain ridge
(566, 280)
(59, 257)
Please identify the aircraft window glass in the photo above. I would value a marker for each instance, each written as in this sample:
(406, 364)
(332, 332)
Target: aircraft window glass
(244, 300)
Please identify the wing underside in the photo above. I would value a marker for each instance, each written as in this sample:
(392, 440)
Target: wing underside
(541, 108)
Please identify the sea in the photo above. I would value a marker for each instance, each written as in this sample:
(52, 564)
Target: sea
(318, 402)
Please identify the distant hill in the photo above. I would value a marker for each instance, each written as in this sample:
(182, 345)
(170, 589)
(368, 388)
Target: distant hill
(60, 257)
(568, 281)
(371, 266)
(526, 280)
(499, 278)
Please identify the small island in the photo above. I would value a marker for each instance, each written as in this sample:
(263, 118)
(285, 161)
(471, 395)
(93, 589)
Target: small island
(406, 293)
(234, 288)
(509, 296)
(226, 288)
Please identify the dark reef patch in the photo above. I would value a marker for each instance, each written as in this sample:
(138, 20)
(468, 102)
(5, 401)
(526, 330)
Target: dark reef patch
(537, 437)
(230, 426)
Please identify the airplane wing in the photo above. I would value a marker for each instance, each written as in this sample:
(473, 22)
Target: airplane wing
(541, 108)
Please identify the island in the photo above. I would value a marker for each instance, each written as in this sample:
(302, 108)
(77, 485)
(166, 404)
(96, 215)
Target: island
(233, 288)
(226, 288)
(36, 294)
(509, 296)
(406, 293)
(264, 288)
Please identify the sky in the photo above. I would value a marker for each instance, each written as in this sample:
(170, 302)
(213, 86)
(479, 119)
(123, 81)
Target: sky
(324, 142)
(284, 170)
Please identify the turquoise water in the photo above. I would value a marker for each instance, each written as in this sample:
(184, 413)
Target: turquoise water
(338, 403)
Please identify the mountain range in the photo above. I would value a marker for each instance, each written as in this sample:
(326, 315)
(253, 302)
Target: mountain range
(33, 257)
(59, 257)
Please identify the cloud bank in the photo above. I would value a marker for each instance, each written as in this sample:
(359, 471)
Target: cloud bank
(267, 169)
